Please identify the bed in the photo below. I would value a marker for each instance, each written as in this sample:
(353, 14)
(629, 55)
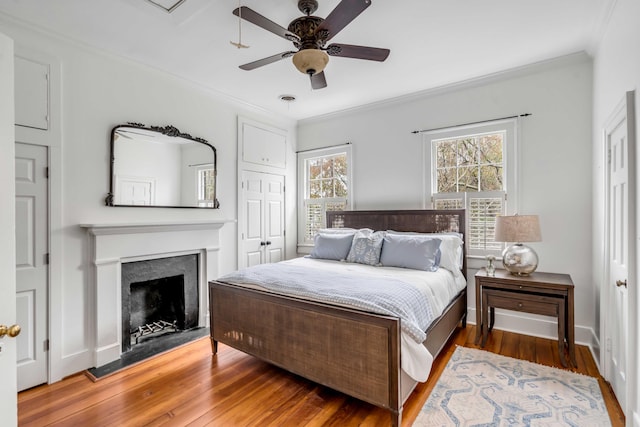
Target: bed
(355, 352)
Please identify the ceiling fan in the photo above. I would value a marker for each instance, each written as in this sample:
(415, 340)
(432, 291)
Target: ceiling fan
(309, 35)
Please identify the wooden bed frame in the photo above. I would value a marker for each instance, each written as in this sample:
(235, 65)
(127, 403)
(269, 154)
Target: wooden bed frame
(351, 351)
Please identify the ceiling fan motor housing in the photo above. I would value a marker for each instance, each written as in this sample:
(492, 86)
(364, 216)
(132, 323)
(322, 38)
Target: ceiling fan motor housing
(310, 58)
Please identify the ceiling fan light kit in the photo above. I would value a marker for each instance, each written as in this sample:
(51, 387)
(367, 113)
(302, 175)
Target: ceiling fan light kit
(310, 61)
(310, 34)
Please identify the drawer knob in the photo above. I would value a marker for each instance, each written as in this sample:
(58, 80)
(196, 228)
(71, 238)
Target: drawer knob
(520, 286)
(519, 305)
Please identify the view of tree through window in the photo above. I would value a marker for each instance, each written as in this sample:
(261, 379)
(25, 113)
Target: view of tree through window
(328, 177)
(326, 189)
(469, 174)
(470, 164)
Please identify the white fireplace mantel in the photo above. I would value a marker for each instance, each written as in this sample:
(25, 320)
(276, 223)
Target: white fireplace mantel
(112, 244)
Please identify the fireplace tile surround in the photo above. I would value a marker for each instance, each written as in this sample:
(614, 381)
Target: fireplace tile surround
(113, 244)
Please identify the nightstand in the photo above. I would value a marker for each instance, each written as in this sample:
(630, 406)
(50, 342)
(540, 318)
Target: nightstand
(548, 294)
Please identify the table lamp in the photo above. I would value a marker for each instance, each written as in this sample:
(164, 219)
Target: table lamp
(518, 259)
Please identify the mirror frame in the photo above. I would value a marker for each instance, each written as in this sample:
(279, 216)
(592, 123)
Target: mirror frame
(171, 131)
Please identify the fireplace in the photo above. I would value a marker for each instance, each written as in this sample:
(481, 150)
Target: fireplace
(159, 298)
(114, 246)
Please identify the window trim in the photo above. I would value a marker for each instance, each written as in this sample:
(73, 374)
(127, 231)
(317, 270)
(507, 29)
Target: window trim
(510, 159)
(303, 156)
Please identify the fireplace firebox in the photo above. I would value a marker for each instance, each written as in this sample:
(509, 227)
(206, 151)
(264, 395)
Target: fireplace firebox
(159, 298)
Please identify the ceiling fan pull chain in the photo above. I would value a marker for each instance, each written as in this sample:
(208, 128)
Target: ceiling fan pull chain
(239, 45)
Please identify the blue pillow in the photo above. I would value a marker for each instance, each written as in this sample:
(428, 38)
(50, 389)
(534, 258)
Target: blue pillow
(411, 251)
(366, 248)
(331, 246)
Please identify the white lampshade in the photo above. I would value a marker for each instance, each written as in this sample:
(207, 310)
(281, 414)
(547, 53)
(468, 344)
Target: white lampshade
(310, 61)
(519, 259)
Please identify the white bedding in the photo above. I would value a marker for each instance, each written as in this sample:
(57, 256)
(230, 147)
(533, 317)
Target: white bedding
(439, 288)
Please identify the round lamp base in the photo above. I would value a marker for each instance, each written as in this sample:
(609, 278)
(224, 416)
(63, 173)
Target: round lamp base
(520, 259)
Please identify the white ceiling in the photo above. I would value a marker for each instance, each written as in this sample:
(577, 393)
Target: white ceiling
(433, 43)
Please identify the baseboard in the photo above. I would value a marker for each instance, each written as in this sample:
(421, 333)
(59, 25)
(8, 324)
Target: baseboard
(539, 326)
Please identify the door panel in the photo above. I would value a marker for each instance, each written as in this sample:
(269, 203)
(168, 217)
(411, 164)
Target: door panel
(274, 218)
(262, 222)
(252, 227)
(31, 266)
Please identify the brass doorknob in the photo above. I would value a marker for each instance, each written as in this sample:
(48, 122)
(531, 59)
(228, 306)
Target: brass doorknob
(13, 331)
(621, 283)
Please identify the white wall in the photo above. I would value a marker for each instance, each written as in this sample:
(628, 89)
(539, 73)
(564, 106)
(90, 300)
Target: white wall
(616, 70)
(99, 91)
(555, 166)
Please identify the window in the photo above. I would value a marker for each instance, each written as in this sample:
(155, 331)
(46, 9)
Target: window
(205, 187)
(325, 185)
(472, 168)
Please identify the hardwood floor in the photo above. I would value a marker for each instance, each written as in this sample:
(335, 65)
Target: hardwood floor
(187, 386)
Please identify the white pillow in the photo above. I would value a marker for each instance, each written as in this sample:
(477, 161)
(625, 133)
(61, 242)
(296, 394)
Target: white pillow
(337, 231)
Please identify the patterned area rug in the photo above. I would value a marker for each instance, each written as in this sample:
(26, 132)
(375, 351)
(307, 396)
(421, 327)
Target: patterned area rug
(479, 388)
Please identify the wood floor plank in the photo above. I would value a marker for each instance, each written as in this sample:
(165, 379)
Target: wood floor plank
(190, 387)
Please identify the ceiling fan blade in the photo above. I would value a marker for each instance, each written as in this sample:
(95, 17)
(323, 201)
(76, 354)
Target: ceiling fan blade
(358, 52)
(318, 80)
(265, 61)
(255, 18)
(345, 12)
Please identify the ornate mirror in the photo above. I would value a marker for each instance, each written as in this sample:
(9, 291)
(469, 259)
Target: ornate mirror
(161, 167)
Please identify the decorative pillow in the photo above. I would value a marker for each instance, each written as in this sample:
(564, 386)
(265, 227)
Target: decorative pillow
(331, 246)
(418, 252)
(451, 248)
(365, 248)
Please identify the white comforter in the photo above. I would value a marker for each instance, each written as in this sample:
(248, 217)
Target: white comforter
(439, 288)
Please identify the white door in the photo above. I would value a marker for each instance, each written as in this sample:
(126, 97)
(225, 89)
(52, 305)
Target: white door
(135, 191)
(31, 263)
(261, 219)
(274, 217)
(8, 387)
(620, 151)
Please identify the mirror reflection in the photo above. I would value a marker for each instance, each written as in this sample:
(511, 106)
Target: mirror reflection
(161, 167)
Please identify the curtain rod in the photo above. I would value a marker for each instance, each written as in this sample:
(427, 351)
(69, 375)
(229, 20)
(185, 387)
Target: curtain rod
(323, 148)
(472, 123)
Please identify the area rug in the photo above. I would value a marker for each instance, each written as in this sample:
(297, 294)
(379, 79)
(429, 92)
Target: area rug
(479, 388)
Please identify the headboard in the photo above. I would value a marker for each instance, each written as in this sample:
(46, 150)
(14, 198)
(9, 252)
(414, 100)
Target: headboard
(421, 221)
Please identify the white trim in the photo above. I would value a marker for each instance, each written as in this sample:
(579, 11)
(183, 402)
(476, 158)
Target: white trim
(510, 159)
(302, 157)
(244, 166)
(51, 138)
(510, 148)
(111, 245)
(473, 82)
(625, 110)
(534, 325)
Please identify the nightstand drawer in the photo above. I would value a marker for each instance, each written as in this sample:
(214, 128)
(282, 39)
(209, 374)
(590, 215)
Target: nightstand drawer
(529, 303)
(520, 287)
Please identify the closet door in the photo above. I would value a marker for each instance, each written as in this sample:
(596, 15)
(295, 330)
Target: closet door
(261, 219)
